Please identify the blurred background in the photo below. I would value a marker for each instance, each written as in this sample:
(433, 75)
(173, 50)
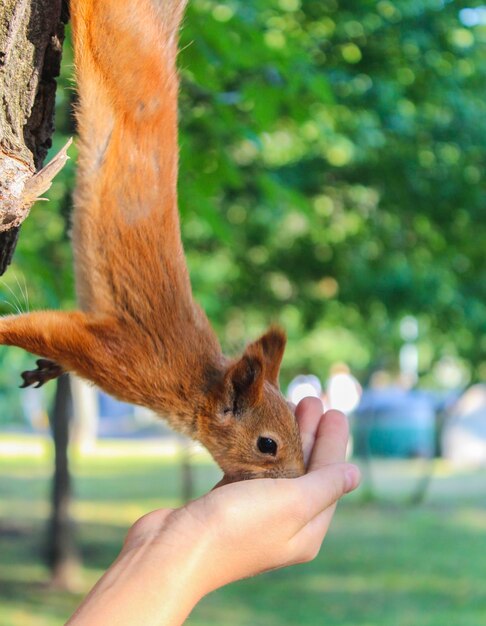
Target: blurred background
(332, 179)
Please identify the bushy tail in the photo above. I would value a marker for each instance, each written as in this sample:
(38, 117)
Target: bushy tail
(126, 50)
(125, 227)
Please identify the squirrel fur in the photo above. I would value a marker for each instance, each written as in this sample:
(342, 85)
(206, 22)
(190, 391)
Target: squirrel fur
(139, 335)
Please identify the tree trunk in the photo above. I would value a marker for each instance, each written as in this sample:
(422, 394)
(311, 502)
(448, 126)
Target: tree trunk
(61, 552)
(31, 36)
(187, 478)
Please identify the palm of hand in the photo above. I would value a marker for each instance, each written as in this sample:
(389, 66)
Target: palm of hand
(244, 528)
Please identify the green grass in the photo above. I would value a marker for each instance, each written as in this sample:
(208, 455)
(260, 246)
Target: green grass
(382, 564)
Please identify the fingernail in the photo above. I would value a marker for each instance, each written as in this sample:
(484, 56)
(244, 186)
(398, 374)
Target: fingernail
(352, 478)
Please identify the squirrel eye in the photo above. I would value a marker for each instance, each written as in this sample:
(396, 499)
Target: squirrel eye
(267, 445)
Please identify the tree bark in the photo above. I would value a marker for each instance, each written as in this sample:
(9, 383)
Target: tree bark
(31, 36)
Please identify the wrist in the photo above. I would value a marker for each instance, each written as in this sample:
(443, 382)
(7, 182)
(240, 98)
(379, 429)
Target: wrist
(156, 581)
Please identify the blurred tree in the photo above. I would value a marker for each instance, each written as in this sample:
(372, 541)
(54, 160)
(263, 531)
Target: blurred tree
(331, 175)
(62, 555)
(331, 163)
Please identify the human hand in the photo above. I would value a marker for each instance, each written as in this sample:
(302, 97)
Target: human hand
(172, 558)
(253, 526)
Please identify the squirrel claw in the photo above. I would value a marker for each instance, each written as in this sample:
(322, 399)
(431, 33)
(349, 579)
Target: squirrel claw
(46, 370)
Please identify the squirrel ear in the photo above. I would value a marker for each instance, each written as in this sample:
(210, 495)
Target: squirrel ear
(272, 345)
(245, 380)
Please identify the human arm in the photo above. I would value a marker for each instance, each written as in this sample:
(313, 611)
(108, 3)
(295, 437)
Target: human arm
(172, 558)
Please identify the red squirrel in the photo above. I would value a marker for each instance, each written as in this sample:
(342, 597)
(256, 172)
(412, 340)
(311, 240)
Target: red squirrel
(139, 335)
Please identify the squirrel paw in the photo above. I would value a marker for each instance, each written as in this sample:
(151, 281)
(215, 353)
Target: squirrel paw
(46, 370)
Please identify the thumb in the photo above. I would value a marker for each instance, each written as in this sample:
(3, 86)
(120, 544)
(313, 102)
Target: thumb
(323, 487)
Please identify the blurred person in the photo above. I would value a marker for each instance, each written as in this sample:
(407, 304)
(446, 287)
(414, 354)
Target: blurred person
(173, 557)
(343, 390)
(304, 386)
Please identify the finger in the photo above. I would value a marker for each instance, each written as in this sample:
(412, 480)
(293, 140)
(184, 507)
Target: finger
(308, 414)
(319, 525)
(308, 541)
(320, 489)
(331, 440)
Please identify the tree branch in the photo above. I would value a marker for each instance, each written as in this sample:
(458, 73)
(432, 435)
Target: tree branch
(31, 36)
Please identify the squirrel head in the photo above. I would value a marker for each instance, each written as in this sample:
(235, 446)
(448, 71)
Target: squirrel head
(253, 432)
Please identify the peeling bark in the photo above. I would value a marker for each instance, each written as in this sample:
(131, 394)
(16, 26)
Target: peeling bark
(31, 36)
